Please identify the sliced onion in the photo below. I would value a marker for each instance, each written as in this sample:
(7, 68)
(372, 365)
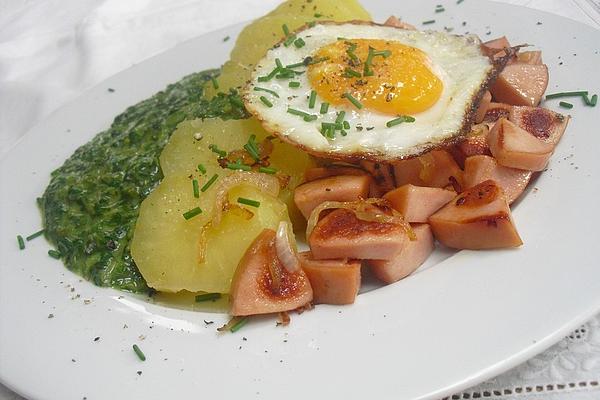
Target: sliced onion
(371, 210)
(286, 249)
(266, 183)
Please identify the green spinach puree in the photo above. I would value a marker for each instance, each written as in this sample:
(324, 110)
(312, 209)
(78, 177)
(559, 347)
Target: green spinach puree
(92, 202)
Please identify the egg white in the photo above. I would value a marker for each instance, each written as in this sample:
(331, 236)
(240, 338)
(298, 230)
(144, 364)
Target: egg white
(456, 60)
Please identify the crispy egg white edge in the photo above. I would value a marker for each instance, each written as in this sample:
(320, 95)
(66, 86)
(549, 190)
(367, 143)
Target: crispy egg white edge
(454, 59)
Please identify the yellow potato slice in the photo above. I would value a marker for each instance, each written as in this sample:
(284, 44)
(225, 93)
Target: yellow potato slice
(167, 248)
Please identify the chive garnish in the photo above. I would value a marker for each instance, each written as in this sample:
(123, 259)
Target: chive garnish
(350, 73)
(428, 22)
(21, 242)
(372, 54)
(299, 43)
(196, 188)
(266, 101)
(594, 100)
(139, 352)
(267, 170)
(343, 132)
(238, 166)
(566, 94)
(268, 77)
(353, 100)
(260, 89)
(312, 99)
(208, 297)
(252, 148)
(310, 118)
(294, 84)
(311, 24)
(201, 169)
(340, 117)
(318, 15)
(299, 113)
(399, 120)
(34, 235)
(214, 82)
(439, 9)
(346, 125)
(192, 213)
(324, 108)
(286, 30)
(226, 38)
(289, 40)
(248, 202)
(564, 104)
(236, 101)
(238, 325)
(459, 1)
(215, 149)
(278, 63)
(209, 183)
(54, 253)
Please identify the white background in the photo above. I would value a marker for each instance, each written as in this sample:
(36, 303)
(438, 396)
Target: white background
(53, 50)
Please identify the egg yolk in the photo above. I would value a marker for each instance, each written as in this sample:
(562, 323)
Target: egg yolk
(394, 79)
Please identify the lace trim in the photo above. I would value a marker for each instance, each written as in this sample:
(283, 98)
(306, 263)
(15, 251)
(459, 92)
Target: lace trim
(524, 390)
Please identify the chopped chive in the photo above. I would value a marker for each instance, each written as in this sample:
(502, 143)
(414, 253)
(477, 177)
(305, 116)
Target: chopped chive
(238, 325)
(353, 100)
(594, 100)
(268, 77)
(139, 352)
(428, 22)
(286, 30)
(192, 213)
(294, 84)
(266, 101)
(299, 43)
(346, 125)
(21, 242)
(209, 183)
(54, 253)
(278, 63)
(208, 297)
(318, 15)
(324, 108)
(196, 188)
(350, 73)
(297, 65)
(226, 38)
(285, 75)
(312, 99)
(214, 82)
(459, 1)
(310, 118)
(399, 120)
(248, 202)
(238, 166)
(215, 149)
(299, 113)
(267, 170)
(34, 235)
(290, 39)
(564, 104)
(251, 148)
(260, 89)
(340, 117)
(343, 132)
(317, 60)
(201, 169)
(566, 94)
(440, 9)
(311, 24)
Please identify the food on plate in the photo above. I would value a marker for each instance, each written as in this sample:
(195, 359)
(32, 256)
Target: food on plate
(360, 90)
(407, 260)
(478, 218)
(379, 141)
(514, 147)
(334, 281)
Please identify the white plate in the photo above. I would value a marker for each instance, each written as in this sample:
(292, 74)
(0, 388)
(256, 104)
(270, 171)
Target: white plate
(471, 316)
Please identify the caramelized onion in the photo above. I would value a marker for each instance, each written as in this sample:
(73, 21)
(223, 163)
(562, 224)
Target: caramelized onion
(365, 210)
(266, 183)
(286, 249)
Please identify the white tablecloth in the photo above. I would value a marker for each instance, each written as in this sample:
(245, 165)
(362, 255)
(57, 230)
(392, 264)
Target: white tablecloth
(53, 50)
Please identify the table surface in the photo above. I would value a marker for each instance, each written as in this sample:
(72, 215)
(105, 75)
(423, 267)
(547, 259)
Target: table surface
(53, 50)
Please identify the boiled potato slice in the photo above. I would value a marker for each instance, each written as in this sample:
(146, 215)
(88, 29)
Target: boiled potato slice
(233, 76)
(167, 248)
(336, 10)
(183, 153)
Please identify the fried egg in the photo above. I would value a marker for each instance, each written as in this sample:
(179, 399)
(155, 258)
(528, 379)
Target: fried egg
(368, 91)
